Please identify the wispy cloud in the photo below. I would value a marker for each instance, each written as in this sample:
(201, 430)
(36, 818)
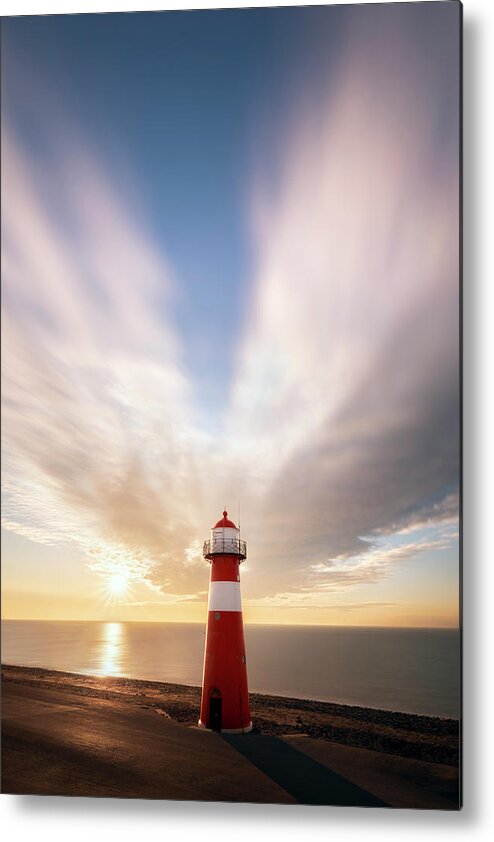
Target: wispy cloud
(97, 446)
(345, 405)
(374, 563)
(311, 601)
(167, 599)
(441, 513)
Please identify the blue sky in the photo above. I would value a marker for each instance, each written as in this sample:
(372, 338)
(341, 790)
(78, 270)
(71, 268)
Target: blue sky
(230, 249)
(183, 106)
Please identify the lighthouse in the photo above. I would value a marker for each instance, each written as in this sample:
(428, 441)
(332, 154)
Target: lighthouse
(225, 697)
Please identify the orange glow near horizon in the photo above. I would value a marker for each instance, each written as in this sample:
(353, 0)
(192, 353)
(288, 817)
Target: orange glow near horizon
(24, 606)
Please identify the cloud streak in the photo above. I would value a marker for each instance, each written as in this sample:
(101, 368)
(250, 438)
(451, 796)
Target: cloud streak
(346, 399)
(97, 445)
(343, 419)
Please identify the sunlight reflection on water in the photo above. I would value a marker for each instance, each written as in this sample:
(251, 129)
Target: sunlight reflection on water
(111, 648)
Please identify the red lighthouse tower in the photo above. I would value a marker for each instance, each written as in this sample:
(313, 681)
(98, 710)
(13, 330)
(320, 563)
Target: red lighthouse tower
(225, 697)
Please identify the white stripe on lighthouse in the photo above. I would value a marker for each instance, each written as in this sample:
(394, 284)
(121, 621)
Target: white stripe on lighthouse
(224, 596)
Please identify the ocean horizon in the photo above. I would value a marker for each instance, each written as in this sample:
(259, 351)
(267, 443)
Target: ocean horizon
(414, 670)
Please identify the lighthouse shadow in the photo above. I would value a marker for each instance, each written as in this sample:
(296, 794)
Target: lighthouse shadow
(306, 780)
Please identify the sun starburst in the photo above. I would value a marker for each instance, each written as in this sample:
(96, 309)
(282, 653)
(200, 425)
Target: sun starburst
(117, 584)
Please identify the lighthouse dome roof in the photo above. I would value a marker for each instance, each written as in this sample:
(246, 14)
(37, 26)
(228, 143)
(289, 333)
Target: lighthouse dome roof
(225, 522)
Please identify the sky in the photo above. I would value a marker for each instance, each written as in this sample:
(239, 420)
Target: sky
(230, 279)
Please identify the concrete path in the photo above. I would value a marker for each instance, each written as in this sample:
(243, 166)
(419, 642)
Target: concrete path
(306, 779)
(59, 743)
(401, 782)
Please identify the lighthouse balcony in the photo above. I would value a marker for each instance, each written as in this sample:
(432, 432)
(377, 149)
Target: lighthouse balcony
(220, 545)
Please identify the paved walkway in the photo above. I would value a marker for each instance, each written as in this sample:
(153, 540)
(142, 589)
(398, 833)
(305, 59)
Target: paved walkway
(56, 742)
(307, 780)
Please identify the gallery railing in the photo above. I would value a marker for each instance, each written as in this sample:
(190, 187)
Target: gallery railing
(224, 546)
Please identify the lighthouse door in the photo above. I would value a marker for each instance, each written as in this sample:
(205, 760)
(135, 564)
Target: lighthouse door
(215, 710)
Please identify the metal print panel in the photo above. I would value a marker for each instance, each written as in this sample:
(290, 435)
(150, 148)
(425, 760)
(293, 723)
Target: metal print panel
(231, 405)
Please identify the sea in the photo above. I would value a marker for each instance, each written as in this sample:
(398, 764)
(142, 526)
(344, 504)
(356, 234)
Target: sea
(409, 670)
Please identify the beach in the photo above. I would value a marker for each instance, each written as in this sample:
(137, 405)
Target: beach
(72, 734)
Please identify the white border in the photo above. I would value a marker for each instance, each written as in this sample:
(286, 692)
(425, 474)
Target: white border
(52, 7)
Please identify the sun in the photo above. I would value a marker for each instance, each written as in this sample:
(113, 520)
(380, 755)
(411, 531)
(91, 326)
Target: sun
(117, 584)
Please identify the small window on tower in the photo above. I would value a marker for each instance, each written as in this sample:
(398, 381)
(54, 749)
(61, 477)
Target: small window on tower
(217, 615)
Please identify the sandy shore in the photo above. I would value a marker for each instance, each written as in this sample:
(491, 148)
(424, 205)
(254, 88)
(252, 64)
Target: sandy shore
(77, 734)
